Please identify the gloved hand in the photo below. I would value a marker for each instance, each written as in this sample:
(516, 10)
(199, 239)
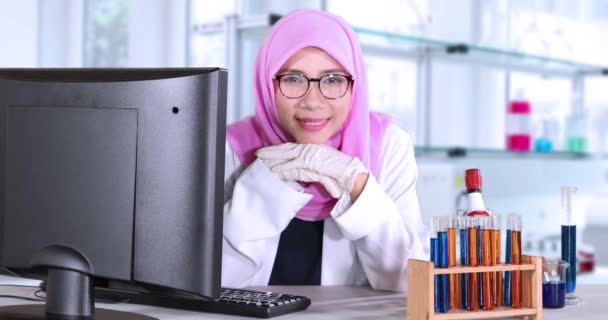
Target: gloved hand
(335, 170)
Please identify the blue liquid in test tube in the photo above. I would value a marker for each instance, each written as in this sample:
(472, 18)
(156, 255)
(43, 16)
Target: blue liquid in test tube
(569, 255)
(464, 261)
(435, 260)
(569, 243)
(507, 282)
(444, 301)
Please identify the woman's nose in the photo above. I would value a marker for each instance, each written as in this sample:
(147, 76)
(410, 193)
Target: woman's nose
(313, 97)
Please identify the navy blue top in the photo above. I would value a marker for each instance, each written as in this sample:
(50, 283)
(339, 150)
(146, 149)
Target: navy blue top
(298, 260)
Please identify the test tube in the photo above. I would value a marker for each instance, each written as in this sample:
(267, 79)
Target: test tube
(497, 295)
(486, 257)
(507, 282)
(435, 258)
(526, 286)
(473, 277)
(454, 278)
(442, 239)
(569, 255)
(516, 259)
(464, 261)
(569, 244)
(478, 220)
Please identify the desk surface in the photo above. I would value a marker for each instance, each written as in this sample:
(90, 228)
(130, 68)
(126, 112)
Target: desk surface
(342, 303)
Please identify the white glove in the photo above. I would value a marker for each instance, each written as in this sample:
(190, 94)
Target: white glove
(335, 170)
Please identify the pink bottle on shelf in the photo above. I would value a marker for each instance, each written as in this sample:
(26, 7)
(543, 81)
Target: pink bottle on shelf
(518, 126)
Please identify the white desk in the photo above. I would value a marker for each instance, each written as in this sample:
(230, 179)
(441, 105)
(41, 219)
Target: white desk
(333, 303)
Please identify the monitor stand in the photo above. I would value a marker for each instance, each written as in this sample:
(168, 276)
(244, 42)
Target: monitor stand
(69, 293)
(69, 296)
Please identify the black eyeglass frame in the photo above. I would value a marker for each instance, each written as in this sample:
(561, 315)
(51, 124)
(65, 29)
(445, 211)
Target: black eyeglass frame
(278, 77)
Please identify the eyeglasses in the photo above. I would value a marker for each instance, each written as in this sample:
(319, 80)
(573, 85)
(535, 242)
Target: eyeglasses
(331, 86)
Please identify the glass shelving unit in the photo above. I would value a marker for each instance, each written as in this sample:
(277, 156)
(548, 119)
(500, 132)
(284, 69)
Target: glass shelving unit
(461, 152)
(426, 50)
(468, 53)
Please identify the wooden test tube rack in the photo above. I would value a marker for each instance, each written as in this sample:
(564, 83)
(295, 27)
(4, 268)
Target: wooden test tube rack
(420, 298)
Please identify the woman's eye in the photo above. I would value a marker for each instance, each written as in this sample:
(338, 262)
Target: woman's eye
(333, 80)
(293, 79)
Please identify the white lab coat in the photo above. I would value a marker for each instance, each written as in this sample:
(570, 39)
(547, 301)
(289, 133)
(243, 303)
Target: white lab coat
(369, 241)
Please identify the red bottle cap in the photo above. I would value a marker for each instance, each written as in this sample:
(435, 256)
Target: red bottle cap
(519, 107)
(478, 213)
(473, 179)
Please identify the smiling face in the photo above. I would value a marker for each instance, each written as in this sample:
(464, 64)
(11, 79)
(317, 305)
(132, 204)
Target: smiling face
(313, 118)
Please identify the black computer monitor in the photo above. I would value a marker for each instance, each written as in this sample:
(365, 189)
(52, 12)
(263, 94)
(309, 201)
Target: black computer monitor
(111, 176)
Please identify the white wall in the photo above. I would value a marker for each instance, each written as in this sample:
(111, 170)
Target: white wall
(37, 33)
(60, 33)
(19, 33)
(488, 107)
(158, 33)
(452, 85)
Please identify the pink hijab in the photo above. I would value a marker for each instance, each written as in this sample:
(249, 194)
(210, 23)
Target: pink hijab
(362, 132)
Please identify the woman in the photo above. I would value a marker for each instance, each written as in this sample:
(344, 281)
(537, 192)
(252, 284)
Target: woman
(319, 190)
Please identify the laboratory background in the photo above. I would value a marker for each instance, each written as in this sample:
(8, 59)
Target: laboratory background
(518, 89)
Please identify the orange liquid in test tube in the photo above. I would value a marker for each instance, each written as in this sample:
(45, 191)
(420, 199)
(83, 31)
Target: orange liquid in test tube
(454, 278)
(526, 286)
(526, 297)
(486, 256)
(516, 275)
(473, 282)
(498, 293)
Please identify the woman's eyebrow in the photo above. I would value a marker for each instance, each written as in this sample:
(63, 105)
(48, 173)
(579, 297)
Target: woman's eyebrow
(302, 72)
(290, 71)
(334, 71)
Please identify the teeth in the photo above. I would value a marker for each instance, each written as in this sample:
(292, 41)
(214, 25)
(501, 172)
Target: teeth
(315, 123)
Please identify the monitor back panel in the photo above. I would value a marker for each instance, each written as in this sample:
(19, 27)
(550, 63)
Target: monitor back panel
(70, 180)
(145, 173)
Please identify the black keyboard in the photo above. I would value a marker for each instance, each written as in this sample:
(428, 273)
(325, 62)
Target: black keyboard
(240, 302)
